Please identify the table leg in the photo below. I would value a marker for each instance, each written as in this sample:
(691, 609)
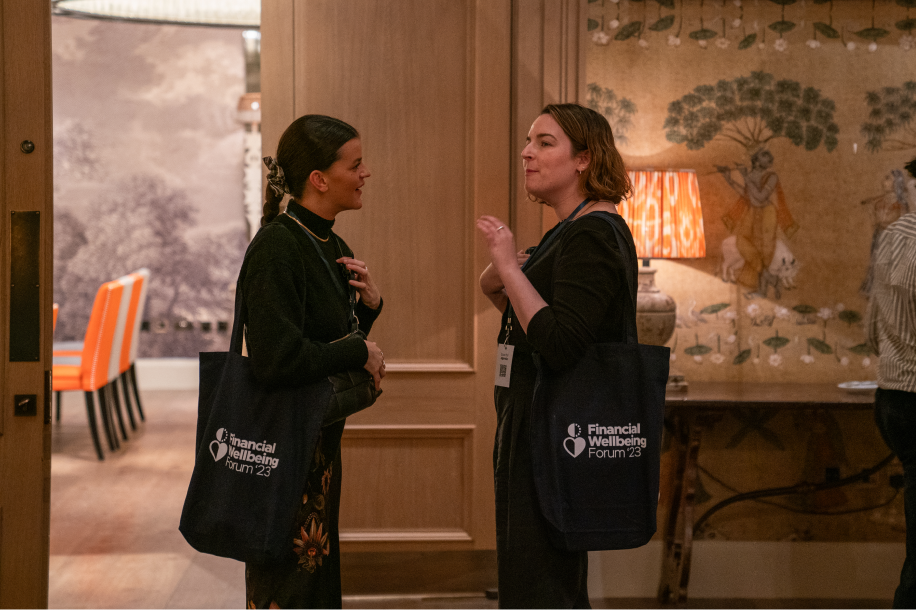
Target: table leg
(678, 535)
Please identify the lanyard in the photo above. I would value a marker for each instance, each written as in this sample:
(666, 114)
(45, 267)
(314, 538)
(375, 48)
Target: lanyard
(541, 248)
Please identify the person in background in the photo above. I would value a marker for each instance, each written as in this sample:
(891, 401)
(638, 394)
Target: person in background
(296, 318)
(891, 328)
(572, 294)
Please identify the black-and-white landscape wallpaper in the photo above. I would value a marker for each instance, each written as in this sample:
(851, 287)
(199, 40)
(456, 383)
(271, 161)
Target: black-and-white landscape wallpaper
(148, 168)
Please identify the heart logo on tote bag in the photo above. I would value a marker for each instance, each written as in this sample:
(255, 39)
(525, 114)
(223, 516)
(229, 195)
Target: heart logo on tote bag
(578, 446)
(221, 448)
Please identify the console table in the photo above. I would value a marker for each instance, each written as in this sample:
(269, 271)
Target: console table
(691, 412)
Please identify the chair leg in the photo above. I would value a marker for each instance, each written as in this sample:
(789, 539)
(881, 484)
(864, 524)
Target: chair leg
(57, 414)
(112, 388)
(127, 407)
(105, 408)
(133, 382)
(93, 428)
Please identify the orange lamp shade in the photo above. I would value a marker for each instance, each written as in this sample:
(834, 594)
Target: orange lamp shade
(664, 214)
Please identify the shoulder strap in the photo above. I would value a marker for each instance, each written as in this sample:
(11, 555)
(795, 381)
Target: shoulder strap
(335, 279)
(622, 244)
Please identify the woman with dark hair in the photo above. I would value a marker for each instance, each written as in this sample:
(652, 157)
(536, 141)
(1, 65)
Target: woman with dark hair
(571, 293)
(295, 281)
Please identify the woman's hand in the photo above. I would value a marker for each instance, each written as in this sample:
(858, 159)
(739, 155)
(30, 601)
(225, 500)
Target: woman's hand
(364, 284)
(375, 364)
(492, 285)
(500, 243)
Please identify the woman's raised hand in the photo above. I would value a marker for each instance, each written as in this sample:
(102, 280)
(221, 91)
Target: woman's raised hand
(375, 364)
(500, 242)
(364, 284)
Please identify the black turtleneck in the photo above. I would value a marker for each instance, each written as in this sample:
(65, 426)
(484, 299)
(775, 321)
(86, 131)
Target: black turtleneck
(295, 312)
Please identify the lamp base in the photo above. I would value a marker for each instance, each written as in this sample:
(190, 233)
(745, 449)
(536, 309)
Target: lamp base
(656, 316)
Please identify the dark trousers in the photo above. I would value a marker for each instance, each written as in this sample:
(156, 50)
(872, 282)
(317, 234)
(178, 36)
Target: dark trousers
(532, 573)
(895, 414)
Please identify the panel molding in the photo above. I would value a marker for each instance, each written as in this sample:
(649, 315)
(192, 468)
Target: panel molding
(462, 432)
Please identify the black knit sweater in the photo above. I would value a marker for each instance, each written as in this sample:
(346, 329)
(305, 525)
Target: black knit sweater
(582, 277)
(294, 312)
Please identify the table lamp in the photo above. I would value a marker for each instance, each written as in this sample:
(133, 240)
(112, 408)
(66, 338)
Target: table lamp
(666, 220)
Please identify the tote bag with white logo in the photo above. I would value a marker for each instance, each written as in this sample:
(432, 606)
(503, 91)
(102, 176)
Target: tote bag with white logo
(595, 433)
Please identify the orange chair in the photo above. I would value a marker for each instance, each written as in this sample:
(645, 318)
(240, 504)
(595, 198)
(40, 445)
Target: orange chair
(91, 374)
(126, 368)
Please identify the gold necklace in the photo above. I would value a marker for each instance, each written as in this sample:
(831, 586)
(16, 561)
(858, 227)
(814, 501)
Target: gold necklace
(321, 239)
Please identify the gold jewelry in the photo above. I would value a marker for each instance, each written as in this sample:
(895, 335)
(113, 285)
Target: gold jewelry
(321, 239)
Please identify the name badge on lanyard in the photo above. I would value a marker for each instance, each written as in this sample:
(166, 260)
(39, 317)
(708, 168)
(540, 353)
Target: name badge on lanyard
(504, 364)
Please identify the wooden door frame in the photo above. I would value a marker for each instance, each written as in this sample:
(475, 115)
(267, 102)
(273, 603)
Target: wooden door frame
(26, 187)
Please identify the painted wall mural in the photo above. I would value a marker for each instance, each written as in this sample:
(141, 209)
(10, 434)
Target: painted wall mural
(148, 173)
(798, 117)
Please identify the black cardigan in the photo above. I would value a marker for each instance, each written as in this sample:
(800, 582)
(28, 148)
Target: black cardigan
(582, 277)
(294, 313)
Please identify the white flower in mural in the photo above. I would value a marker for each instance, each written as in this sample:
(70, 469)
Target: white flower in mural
(781, 45)
(698, 359)
(907, 42)
(643, 43)
(731, 338)
(753, 309)
(756, 360)
(722, 43)
(717, 358)
(601, 38)
(807, 358)
(613, 24)
(736, 23)
(736, 2)
(782, 313)
(703, 43)
(673, 41)
(844, 361)
(761, 45)
(873, 46)
(850, 46)
(866, 362)
(814, 44)
(839, 307)
(730, 315)
(615, 1)
(825, 313)
(775, 359)
(673, 356)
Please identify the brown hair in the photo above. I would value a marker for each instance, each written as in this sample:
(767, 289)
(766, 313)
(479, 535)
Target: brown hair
(605, 178)
(311, 142)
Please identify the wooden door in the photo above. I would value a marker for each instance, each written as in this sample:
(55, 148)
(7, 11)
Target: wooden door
(430, 86)
(25, 306)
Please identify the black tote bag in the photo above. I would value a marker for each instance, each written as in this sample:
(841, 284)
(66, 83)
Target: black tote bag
(595, 433)
(254, 448)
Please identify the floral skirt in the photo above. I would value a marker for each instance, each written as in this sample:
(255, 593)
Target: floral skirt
(310, 576)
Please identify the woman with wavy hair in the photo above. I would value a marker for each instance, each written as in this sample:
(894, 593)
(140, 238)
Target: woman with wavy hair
(570, 294)
(295, 281)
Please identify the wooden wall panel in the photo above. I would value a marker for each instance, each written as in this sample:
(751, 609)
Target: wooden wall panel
(415, 229)
(406, 483)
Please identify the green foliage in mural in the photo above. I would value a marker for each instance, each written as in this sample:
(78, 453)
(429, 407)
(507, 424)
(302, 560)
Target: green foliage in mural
(747, 41)
(703, 34)
(742, 356)
(804, 309)
(826, 30)
(775, 342)
(907, 3)
(891, 117)
(783, 2)
(850, 317)
(782, 27)
(873, 34)
(715, 308)
(820, 346)
(906, 25)
(617, 110)
(665, 23)
(752, 110)
(861, 349)
(629, 31)
(593, 25)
